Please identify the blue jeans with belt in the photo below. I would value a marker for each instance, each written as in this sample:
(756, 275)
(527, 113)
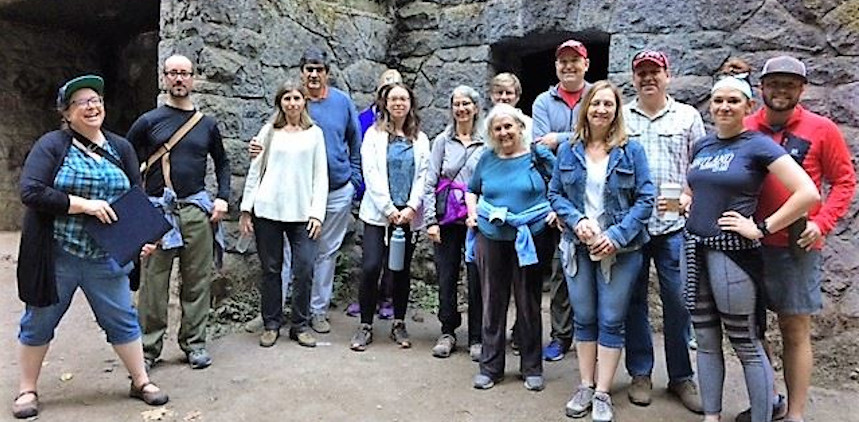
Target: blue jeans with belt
(665, 251)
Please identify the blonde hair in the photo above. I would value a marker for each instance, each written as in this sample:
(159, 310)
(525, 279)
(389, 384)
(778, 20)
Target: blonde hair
(505, 79)
(617, 132)
(501, 110)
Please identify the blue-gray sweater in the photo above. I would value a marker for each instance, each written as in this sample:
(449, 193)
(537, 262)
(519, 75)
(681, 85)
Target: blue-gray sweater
(551, 114)
(337, 117)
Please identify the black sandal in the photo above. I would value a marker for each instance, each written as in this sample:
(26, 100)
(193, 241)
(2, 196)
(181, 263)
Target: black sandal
(156, 398)
(27, 410)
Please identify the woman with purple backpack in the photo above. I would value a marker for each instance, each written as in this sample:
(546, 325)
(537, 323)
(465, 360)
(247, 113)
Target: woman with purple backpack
(455, 153)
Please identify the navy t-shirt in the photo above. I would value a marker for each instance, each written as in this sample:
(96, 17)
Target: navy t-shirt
(726, 175)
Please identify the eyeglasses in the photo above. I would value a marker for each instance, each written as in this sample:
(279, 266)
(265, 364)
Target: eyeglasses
(174, 74)
(311, 69)
(86, 102)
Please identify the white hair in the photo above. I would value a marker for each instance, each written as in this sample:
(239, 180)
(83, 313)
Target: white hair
(501, 110)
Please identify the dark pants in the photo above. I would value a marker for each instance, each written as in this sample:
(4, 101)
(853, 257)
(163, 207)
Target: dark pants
(499, 271)
(375, 248)
(448, 259)
(560, 309)
(269, 239)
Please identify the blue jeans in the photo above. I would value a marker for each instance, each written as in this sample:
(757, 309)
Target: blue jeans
(665, 251)
(601, 304)
(106, 287)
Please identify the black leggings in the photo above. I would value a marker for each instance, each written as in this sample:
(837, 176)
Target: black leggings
(375, 257)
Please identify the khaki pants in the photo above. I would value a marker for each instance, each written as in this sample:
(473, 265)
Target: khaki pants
(195, 269)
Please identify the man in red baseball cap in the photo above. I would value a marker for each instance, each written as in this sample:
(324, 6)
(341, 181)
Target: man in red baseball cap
(667, 129)
(554, 113)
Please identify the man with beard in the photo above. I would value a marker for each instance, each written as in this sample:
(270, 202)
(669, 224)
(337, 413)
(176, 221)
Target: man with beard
(667, 129)
(175, 181)
(554, 113)
(335, 113)
(792, 258)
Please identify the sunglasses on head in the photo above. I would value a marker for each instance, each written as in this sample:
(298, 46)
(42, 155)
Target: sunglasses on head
(743, 76)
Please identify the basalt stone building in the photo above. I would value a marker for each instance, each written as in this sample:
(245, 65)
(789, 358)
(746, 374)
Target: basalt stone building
(245, 48)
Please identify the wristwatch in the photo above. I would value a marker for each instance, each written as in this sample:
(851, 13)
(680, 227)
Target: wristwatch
(762, 226)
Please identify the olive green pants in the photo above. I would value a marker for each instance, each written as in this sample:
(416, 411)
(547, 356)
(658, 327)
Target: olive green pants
(195, 269)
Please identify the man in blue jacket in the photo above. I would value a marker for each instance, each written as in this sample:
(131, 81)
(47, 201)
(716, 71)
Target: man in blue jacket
(554, 113)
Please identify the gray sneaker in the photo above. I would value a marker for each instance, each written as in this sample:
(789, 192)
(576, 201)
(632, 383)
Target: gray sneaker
(199, 359)
(400, 335)
(255, 325)
(445, 344)
(603, 411)
(581, 402)
(319, 323)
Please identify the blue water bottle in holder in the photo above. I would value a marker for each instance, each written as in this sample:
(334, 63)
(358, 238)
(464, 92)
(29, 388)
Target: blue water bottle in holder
(397, 250)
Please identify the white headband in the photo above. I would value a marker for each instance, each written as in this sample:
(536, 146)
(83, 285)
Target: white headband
(733, 83)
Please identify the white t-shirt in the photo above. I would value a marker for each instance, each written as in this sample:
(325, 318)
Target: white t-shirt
(594, 187)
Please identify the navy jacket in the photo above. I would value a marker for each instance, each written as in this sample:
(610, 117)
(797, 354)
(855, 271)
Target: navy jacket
(628, 197)
(36, 276)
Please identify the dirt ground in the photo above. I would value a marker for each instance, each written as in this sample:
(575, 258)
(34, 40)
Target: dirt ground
(82, 379)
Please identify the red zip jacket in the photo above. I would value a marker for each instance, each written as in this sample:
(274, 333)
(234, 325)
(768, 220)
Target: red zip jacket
(818, 146)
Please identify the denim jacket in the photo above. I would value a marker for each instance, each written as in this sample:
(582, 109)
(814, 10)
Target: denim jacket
(628, 198)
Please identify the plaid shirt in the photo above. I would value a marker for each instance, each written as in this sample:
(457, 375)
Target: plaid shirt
(667, 139)
(83, 176)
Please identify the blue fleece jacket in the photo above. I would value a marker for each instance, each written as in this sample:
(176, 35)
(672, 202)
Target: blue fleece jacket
(337, 117)
(551, 114)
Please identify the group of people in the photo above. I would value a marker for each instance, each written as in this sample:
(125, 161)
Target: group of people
(733, 222)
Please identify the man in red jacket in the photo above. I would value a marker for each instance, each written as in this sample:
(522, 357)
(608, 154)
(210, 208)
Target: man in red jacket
(792, 256)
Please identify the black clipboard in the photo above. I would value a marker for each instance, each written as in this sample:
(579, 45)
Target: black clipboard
(138, 223)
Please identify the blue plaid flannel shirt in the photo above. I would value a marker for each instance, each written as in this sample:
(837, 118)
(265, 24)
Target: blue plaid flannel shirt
(83, 176)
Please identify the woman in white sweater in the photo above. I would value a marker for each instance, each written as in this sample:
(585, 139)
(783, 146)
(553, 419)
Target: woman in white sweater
(285, 194)
(394, 158)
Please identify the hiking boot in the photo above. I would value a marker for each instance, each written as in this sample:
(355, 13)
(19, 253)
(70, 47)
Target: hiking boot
(399, 334)
(475, 350)
(639, 390)
(255, 325)
(386, 310)
(304, 338)
(484, 382)
(603, 411)
(199, 359)
(268, 338)
(319, 323)
(353, 310)
(581, 402)
(534, 383)
(555, 350)
(444, 346)
(362, 337)
(687, 392)
(779, 410)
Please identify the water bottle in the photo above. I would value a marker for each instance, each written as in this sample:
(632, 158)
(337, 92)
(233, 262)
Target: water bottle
(243, 243)
(397, 250)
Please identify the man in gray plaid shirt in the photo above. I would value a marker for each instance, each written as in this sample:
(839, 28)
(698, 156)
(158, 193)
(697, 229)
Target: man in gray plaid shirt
(667, 129)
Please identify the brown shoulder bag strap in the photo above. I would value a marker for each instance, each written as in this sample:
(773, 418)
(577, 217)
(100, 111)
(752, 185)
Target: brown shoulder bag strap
(164, 150)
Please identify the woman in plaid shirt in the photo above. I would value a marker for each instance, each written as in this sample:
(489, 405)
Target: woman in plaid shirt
(63, 183)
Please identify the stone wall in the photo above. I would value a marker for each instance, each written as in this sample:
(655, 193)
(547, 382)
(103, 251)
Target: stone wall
(34, 63)
(245, 48)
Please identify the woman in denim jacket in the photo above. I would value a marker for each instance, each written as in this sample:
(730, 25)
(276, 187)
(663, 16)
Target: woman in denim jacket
(602, 192)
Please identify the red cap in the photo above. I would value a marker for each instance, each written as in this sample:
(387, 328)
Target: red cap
(577, 47)
(656, 57)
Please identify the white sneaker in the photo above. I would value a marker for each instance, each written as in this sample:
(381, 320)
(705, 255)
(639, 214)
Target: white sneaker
(581, 402)
(603, 411)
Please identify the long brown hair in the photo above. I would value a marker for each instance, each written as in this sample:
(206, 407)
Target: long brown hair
(617, 132)
(304, 121)
(411, 126)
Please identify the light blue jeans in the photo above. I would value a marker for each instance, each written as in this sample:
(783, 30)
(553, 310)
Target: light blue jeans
(600, 304)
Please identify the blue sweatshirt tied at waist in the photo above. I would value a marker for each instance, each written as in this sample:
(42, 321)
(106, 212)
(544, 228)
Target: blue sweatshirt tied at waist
(526, 251)
(170, 205)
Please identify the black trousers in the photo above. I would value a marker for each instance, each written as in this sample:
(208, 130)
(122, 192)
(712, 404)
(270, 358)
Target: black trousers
(499, 271)
(448, 260)
(269, 240)
(375, 257)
